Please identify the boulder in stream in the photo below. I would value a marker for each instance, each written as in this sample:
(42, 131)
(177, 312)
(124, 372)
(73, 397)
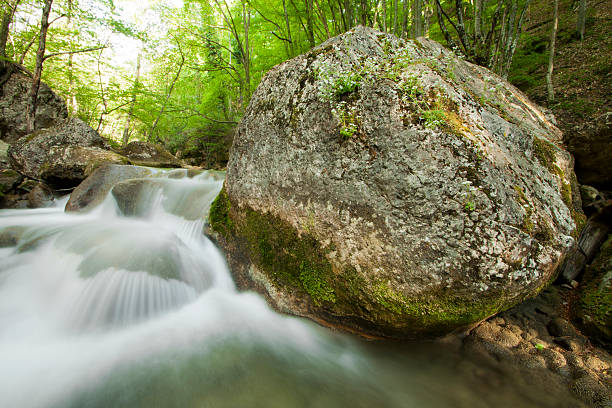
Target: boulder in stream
(93, 190)
(392, 189)
(63, 155)
(148, 154)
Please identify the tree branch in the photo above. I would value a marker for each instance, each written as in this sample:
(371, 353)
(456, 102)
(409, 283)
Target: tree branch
(280, 38)
(55, 54)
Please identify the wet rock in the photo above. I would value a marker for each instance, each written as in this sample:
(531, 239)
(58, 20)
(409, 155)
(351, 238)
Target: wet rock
(496, 334)
(591, 391)
(594, 233)
(387, 216)
(570, 343)
(597, 364)
(94, 188)
(9, 237)
(63, 155)
(555, 361)
(40, 196)
(139, 197)
(560, 327)
(13, 100)
(549, 346)
(9, 179)
(148, 154)
(590, 197)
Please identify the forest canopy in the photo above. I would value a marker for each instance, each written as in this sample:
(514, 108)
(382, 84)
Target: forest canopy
(181, 72)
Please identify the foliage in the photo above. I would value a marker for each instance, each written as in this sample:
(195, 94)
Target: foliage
(433, 118)
(203, 59)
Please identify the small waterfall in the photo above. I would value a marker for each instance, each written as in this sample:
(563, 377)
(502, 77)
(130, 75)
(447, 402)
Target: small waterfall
(130, 305)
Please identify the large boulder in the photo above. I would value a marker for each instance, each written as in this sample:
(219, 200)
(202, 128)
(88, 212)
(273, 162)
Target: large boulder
(393, 189)
(147, 154)
(13, 100)
(62, 155)
(94, 189)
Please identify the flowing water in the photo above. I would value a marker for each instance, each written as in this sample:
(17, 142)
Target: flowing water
(130, 305)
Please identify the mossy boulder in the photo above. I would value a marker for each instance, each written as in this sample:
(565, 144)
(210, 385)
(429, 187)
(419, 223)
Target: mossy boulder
(147, 154)
(63, 155)
(594, 308)
(393, 189)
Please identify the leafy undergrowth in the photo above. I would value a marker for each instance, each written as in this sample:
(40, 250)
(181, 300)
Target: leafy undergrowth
(582, 75)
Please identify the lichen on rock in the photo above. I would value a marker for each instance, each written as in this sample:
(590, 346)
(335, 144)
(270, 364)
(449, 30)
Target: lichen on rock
(393, 189)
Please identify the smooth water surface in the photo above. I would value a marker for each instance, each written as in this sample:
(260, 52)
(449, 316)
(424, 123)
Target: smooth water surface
(130, 305)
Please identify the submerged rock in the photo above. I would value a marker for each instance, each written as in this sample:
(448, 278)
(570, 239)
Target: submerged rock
(393, 189)
(140, 197)
(94, 189)
(62, 155)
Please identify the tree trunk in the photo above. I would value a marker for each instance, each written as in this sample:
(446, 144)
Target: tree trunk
(553, 37)
(364, 13)
(72, 101)
(126, 129)
(40, 57)
(478, 21)
(288, 27)
(440, 15)
(161, 111)
(580, 24)
(395, 20)
(309, 23)
(5, 24)
(321, 12)
(428, 13)
(246, 60)
(418, 18)
(349, 14)
(405, 15)
(384, 11)
(514, 37)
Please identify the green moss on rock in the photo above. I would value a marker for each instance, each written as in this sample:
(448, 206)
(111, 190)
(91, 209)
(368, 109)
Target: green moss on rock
(299, 265)
(218, 216)
(594, 309)
(545, 153)
(315, 284)
(438, 312)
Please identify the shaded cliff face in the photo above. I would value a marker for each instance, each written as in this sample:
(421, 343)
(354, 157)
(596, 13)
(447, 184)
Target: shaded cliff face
(392, 189)
(13, 101)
